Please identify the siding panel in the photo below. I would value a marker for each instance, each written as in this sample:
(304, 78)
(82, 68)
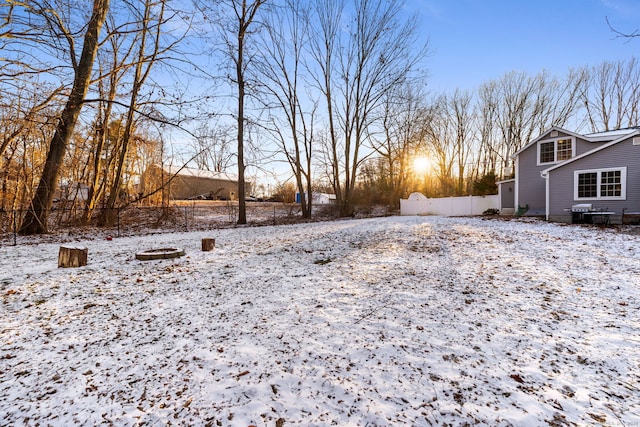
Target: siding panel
(531, 186)
(561, 180)
(530, 183)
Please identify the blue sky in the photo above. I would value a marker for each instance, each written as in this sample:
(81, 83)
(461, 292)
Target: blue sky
(474, 41)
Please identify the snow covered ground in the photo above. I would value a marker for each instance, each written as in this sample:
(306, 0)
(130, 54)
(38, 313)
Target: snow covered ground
(389, 321)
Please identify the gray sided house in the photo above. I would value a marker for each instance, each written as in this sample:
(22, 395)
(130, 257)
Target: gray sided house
(607, 178)
(560, 169)
(552, 147)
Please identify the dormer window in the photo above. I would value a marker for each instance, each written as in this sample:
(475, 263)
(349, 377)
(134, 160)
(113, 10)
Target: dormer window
(555, 150)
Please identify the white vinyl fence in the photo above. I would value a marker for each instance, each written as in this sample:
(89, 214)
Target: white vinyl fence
(418, 204)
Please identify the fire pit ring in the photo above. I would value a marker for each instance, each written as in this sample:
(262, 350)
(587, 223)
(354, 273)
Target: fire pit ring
(162, 253)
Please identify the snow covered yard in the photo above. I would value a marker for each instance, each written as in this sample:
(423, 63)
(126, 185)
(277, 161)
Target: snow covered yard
(389, 321)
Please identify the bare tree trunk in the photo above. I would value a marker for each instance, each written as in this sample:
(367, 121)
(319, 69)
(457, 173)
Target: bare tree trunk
(102, 126)
(245, 13)
(324, 51)
(35, 220)
(242, 204)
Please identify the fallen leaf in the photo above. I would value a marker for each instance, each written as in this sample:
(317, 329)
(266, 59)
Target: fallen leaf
(242, 374)
(517, 378)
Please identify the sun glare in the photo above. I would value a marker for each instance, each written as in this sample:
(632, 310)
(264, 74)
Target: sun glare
(421, 164)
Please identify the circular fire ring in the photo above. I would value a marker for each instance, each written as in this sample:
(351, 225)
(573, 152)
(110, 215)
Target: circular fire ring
(162, 253)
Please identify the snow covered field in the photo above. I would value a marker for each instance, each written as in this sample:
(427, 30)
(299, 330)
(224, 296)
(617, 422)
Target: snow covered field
(389, 321)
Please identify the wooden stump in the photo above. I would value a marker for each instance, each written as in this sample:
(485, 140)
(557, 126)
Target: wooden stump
(208, 244)
(70, 256)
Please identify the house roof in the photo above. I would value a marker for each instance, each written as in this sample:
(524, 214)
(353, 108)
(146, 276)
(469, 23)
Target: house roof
(199, 173)
(504, 181)
(610, 135)
(622, 137)
(514, 155)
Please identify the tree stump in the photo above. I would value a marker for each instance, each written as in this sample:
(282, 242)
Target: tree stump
(208, 244)
(70, 256)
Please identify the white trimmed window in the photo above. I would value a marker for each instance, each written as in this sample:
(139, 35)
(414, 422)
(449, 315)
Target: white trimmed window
(600, 184)
(555, 150)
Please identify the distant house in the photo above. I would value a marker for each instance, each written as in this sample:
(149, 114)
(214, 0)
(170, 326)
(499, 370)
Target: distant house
(71, 192)
(561, 170)
(189, 183)
(318, 198)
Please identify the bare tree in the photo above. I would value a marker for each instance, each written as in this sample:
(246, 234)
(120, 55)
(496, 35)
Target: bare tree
(379, 53)
(236, 21)
(245, 13)
(556, 99)
(213, 148)
(404, 126)
(517, 107)
(113, 66)
(325, 48)
(487, 105)
(515, 121)
(462, 115)
(26, 121)
(281, 69)
(151, 20)
(438, 136)
(35, 220)
(23, 115)
(611, 94)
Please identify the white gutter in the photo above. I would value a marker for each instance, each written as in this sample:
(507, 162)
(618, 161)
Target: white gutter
(516, 195)
(545, 176)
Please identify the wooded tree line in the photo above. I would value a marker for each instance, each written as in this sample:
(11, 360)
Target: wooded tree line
(470, 136)
(59, 63)
(92, 94)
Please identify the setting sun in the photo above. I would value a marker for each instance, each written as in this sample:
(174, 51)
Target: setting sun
(421, 164)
